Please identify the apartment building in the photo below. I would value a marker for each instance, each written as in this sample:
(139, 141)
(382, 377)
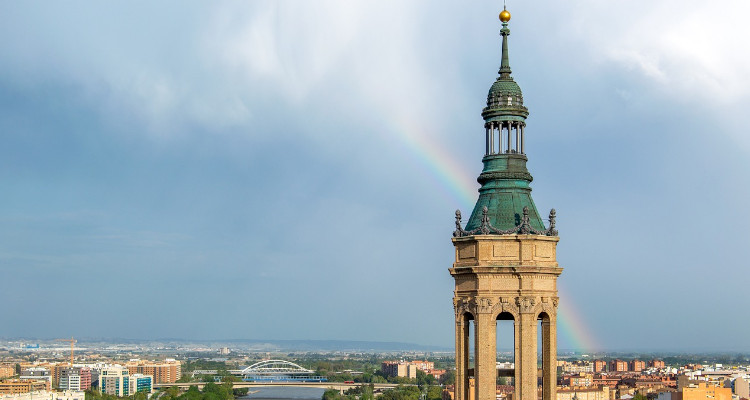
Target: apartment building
(168, 371)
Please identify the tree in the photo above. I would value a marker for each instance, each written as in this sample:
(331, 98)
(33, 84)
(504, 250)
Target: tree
(434, 393)
(173, 392)
(448, 378)
(401, 393)
(368, 392)
(331, 394)
(424, 379)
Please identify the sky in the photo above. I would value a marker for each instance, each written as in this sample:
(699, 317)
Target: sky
(290, 170)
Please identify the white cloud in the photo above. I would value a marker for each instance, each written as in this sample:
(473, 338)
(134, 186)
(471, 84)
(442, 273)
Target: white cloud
(683, 47)
(292, 44)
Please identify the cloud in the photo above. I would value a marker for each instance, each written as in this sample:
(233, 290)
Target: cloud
(689, 53)
(247, 142)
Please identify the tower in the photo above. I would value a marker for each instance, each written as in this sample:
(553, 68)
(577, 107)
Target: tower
(506, 264)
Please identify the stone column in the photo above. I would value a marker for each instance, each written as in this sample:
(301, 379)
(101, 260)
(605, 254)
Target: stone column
(510, 128)
(549, 358)
(462, 358)
(492, 138)
(485, 364)
(499, 138)
(487, 139)
(526, 357)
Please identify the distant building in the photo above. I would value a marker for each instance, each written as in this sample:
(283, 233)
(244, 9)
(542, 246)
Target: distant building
(684, 381)
(140, 383)
(75, 379)
(45, 395)
(15, 386)
(598, 393)
(742, 388)
(700, 391)
(7, 370)
(406, 369)
(606, 380)
(36, 373)
(578, 380)
(436, 373)
(114, 380)
(658, 364)
(67, 395)
(599, 365)
(618, 366)
(423, 365)
(647, 384)
(637, 365)
(578, 367)
(703, 391)
(56, 371)
(117, 381)
(168, 371)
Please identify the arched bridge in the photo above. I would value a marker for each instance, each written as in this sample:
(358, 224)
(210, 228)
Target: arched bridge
(278, 371)
(341, 386)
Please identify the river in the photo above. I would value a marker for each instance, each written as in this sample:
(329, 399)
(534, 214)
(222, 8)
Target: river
(284, 393)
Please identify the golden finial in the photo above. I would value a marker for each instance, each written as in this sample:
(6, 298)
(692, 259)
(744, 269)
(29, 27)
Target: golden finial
(504, 15)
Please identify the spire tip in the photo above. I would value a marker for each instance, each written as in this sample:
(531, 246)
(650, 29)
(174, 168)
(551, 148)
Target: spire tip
(504, 16)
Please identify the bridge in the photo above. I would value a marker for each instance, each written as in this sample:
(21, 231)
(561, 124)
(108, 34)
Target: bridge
(278, 371)
(269, 370)
(340, 386)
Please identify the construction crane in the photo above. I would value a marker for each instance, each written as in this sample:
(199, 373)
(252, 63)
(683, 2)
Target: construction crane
(72, 342)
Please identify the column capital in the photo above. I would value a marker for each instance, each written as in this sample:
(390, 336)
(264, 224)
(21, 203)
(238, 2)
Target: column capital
(526, 304)
(485, 305)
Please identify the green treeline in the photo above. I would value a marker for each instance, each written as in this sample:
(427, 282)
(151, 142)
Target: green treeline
(401, 392)
(192, 365)
(93, 394)
(211, 391)
(371, 374)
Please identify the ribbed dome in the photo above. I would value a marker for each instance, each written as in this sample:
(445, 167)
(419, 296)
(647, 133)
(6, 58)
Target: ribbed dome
(505, 87)
(505, 93)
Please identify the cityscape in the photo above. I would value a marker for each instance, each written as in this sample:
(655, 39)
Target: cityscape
(254, 201)
(42, 369)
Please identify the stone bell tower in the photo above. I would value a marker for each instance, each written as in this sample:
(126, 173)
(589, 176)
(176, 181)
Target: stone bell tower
(506, 265)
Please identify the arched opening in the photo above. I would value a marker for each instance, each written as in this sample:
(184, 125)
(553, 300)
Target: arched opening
(544, 346)
(468, 351)
(506, 350)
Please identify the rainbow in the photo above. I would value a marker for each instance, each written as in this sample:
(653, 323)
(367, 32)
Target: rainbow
(452, 177)
(461, 189)
(573, 327)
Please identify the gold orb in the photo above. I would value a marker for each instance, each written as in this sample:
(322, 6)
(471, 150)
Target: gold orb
(505, 16)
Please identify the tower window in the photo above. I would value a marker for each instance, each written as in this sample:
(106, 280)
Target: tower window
(510, 101)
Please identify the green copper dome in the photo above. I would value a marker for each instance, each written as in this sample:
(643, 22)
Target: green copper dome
(504, 88)
(505, 101)
(505, 204)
